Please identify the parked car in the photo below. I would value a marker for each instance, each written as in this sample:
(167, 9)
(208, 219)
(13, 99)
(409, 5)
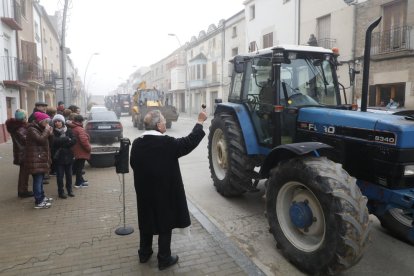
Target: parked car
(103, 126)
(98, 108)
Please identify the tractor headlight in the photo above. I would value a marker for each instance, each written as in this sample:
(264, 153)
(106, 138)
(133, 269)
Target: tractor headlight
(409, 170)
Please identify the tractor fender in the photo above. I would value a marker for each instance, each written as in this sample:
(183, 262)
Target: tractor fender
(289, 151)
(242, 115)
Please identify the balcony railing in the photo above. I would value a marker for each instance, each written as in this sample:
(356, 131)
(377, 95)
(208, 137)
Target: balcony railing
(8, 69)
(327, 43)
(12, 15)
(30, 71)
(210, 80)
(50, 77)
(393, 40)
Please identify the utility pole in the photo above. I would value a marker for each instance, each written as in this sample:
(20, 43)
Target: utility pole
(63, 54)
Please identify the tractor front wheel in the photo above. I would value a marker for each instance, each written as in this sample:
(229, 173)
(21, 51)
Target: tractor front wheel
(400, 223)
(317, 215)
(229, 165)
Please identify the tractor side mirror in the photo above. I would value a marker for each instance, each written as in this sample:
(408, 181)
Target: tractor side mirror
(238, 63)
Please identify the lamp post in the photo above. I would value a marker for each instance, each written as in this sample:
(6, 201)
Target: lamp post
(84, 81)
(187, 94)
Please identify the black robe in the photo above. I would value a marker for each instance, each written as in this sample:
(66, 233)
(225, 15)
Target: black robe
(161, 200)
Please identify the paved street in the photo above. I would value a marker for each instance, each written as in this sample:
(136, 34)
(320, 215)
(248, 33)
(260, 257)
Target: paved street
(76, 235)
(228, 237)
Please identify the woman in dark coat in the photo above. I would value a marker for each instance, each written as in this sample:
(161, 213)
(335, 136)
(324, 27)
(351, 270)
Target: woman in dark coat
(17, 127)
(37, 159)
(62, 154)
(161, 200)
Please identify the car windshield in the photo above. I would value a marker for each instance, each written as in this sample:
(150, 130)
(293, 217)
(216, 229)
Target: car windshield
(104, 116)
(149, 95)
(98, 108)
(123, 97)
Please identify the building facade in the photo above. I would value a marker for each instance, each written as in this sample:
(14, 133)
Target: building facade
(10, 24)
(392, 51)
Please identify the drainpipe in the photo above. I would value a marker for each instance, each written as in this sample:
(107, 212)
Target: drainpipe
(297, 21)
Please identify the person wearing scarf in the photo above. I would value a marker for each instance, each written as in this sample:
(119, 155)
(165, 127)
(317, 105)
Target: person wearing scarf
(62, 155)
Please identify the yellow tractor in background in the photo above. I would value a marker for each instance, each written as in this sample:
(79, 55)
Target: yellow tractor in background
(145, 100)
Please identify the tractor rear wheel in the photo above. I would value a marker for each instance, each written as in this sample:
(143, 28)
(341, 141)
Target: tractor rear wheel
(229, 165)
(400, 223)
(317, 215)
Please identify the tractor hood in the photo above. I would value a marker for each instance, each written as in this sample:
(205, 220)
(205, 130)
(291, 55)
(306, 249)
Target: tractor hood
(392, 130)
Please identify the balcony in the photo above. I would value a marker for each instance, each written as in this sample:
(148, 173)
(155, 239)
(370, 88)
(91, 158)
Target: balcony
(210, 80)
(327, 43)
(50, 77)
(12, 16)
(9, 72)
(394, 43)
(30, 72)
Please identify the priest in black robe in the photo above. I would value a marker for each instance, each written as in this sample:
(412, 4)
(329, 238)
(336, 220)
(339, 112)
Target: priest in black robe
(161, 200)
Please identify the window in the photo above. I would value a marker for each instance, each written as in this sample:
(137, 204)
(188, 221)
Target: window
(324, 32)
(204, 71)
(23, 7)
(198, 71)
(214, 43)
(252, 46)
(37, 36)
(234, 34)
(395, 32)
(214, 76)
(252, 10)
(268, 40)
(234, 51)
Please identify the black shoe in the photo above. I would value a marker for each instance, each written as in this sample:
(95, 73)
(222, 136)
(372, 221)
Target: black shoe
(172, 260)
(71, 194)
(25, 194)
(144, 259)
(45, 181)
(63, 196)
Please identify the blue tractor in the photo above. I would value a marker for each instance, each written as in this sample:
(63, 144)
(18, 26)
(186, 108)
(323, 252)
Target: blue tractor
(326, 164)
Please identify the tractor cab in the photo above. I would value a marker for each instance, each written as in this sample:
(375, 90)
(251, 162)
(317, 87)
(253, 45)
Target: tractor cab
(276, 83)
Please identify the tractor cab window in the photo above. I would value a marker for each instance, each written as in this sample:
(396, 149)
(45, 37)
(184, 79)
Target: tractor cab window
(235, 92)
(307, 81)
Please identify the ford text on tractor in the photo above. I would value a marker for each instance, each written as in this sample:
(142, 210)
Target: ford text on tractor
(326, 165)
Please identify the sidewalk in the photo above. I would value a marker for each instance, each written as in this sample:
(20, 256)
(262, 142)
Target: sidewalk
(76, 235)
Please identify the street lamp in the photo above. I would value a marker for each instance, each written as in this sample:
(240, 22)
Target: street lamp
(187, 94)
(84, 80)
(176, 38)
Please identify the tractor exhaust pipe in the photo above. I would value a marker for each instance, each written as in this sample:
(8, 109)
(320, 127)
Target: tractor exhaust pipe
(367, 58)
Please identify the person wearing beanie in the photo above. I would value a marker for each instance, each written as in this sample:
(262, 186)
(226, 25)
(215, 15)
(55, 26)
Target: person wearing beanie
(81, 150)
(37, 159)
(39, 107)
(17, 127)
(63, 140)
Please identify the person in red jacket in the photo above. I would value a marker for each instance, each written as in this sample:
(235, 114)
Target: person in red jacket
(37, 159)
(17, 127)
(81, 150)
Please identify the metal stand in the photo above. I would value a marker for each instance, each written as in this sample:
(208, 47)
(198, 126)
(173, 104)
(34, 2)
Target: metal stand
(125, 230)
